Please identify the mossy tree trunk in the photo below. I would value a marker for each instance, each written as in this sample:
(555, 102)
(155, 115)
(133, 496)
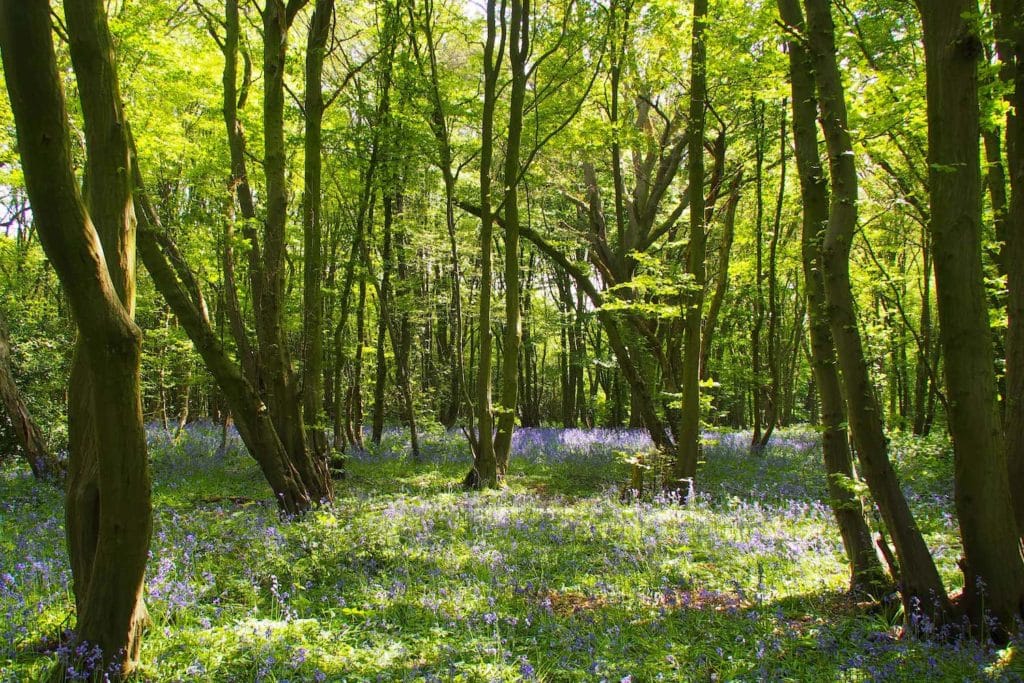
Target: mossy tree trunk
(921, 588)
(93, 252)
(993, 565)
(312, 228)
(866, 573)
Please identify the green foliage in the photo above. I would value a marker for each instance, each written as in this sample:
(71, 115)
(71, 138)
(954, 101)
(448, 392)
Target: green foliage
(41, 335)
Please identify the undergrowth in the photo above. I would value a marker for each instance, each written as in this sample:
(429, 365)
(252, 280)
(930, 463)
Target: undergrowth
(407, 577)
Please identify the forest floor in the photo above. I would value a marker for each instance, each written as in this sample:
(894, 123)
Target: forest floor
(407, 577)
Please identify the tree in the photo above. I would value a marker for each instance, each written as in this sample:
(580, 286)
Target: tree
(301, 477)
(485, 467)
(688, 454)
(108, 503)
(440, 127)
(44, 465)
(1009, 34)
(312, 357)
(519, 37)
(993, 565)
(920, 585)
(866, 573)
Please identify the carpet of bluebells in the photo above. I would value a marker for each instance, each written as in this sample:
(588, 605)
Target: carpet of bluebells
(555, 578)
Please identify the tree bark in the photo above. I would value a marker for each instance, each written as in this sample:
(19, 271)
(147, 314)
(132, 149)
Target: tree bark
(921, 588)
(993, 565)
(108, 505)
(866, 573)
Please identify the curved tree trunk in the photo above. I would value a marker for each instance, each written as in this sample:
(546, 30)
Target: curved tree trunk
(921, 587)
(250, 414)
(866, 573)
(108, 504)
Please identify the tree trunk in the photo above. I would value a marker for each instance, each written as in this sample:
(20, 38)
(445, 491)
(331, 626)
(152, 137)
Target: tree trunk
(357, 368)
(993, 565)
(722, 282)
(312, 331)
(485, 468)
(282, 392)
(866, 573)
(238, 185)
(251, 417)
(1009, 29)
(109, 515)
(921, 588)
(458, 392)
(772, 391)
(518, 52)
(401, 340)
(383, 314)
(688, 447)
(756, 366)
(922, 366)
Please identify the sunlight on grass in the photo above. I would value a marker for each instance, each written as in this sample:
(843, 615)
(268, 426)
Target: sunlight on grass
(406, 577)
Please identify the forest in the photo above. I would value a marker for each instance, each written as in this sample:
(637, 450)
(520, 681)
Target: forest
(510, 340)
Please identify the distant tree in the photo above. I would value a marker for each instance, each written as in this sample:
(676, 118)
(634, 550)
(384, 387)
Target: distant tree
(423, 19)
(43, 463)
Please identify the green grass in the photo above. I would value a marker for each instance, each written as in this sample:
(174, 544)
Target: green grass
(406, 577)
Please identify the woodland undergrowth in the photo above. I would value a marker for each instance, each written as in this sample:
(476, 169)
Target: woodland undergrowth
(407, 577)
